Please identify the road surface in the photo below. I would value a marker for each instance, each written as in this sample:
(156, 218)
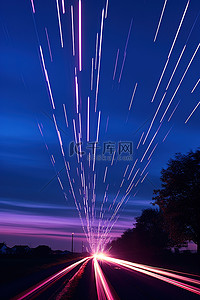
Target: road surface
(99, 278)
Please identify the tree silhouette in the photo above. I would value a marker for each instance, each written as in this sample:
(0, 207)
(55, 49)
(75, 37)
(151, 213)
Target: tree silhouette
(147, 237)
(179, 198)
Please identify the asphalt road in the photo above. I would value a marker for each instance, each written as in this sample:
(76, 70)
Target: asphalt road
(80, 283)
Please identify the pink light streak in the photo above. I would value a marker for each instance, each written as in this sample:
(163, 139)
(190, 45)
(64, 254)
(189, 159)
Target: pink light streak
(120, 76)
(99, 63)
(171, 49)
(88, 120)
(174, 110)
(50, 280)
(72, 24)
(33, 6)
(65, 112)
(115, 68)
(59, 23)
(194, 88)
(157, 273)
(103, 290)
(180, 82)
(80, 34)
(46, 76)
(160, 20)
(48, 44)
(63, 6)
(192, 112)
(133, 96)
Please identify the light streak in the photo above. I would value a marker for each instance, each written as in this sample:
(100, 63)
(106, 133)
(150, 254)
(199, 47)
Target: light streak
(174, 110)
(132, 169)
(154, 117)
(80, 35)
(171, 49)
(63, 6)
(46, 76)
(97, 139)
(72, 24)
(65, 115)
(145, 168)
(115, 68)
(133, 96)
(167, 134)
(51, 279)
(33, 6)
(97, 40)
(157, 273)
(122, 183)
(160, 21)
(80, 127)
(106, 170)
(150, 143)
(103, 290)
(152, 151)
(107, 124)
(192, 112)
(106, 11)
(132, 180)
(113, 158)
(92, 74)
(129, 32)
(48, 44)
(180, 82)
(59, 23)
(144, 177)
(175, 68)
(195, 86)
(126, 170)
(140, 140)
(99, 63)
(76, 90)
(88, 120)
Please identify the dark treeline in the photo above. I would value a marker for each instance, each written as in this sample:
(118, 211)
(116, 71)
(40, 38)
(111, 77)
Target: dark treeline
(176, 218)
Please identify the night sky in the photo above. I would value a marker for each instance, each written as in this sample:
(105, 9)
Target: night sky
(34, 212)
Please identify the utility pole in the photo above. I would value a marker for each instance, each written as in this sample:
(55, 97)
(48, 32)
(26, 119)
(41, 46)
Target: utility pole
(72, 242)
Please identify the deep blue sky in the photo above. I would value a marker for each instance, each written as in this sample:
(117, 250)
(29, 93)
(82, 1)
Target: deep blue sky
(31, 216)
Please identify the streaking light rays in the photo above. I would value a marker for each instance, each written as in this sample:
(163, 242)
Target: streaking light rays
(50, 53)
(88, 120)
(159, 23)
(133, 96)
(99, 62)
(153, 138)
(106, 11)
(80, 34)
(116, 61)
(174, 111)
(51, 279)
(72, 25)
(160, 274)
(192, 112)
(103, 290)
(63, 6)
(129, 32)
(194, 88)
(170, 52)
(59, 23)
(65, 113)
(46, 76)
(180, 82)
(154, 117)
(33, 6)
